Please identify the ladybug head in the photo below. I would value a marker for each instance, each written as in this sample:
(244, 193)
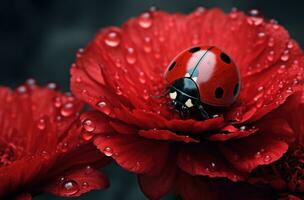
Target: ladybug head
(184, 92)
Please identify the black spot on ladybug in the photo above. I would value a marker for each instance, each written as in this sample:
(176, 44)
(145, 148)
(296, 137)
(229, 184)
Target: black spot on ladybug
(236, 89)
(194, 49)
(219, 92)
(171, 66)
(225, 58)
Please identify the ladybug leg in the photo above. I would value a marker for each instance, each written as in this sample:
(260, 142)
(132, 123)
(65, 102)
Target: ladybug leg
(203, 112)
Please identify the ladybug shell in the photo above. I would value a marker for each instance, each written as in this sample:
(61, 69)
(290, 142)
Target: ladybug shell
(216, 75)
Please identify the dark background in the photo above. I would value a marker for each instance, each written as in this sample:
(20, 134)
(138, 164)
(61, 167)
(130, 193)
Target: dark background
(39, 38)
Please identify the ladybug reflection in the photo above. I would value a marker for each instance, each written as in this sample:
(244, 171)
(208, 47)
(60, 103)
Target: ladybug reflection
(202, 77)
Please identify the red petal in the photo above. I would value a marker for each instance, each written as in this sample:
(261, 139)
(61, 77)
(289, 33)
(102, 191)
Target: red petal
(195, 127)
(95, 123)
(155, 187)
(133, 153)
(248, 153)
(196, 187)
(165, 135)
(230, 132)
(77, 182)
(205, 159)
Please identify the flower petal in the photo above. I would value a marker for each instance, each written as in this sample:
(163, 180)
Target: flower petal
(206, 160)
(230, 132)
(196, 187)
(150, 185)
(133, 153)
(247, 153)
(75, 183)
(165, 135)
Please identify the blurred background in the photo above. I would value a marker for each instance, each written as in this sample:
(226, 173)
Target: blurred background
(39, 39)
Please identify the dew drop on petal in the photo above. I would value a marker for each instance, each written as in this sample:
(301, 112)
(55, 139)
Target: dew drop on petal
(112, 39)
(67, 109)
(261, 34)
(267, 158)
(243, 128)
(85, 184)
(108, 151)
(118, 91)
(88, 125)
(103, 107)
(285, 56)
(271, 42)
(254, 18)
(290, 45)
(22, 89)
(41, 125)
(63, 147)
(270, 56)
(131, 56)
(257, 154)
(70, 187)
(261, 88)
(87, 136)
(147, 44)
(88, 170)
(145, 20)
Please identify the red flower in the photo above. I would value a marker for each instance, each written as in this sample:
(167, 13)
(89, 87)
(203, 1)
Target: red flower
(121, 71)
(40, 147)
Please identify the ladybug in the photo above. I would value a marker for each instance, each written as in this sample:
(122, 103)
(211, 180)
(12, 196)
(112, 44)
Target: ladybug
(202, 76)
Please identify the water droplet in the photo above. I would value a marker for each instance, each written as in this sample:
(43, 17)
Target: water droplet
(108, 151)
(31, 82)
(70, 187)
(85, 184)
(88, 170)
(67, 109)
(147, 44)
(261, 34)
(267, 158)
(112, 39)
(118, 91)
(271, 42)
(52, 86)
(88, 125)
(41, 125)
(281, 69)
(86, 136)
(257, 154)
(63, 146)
(22, 89)
(57, 102)
(243, 128)
(285, 56)
(270, 56)
(199, 11)
(145, 20)
(131, 56)
(78, 80)
(290, 45)
(254, 18)
(103, 107)
(261, 88)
